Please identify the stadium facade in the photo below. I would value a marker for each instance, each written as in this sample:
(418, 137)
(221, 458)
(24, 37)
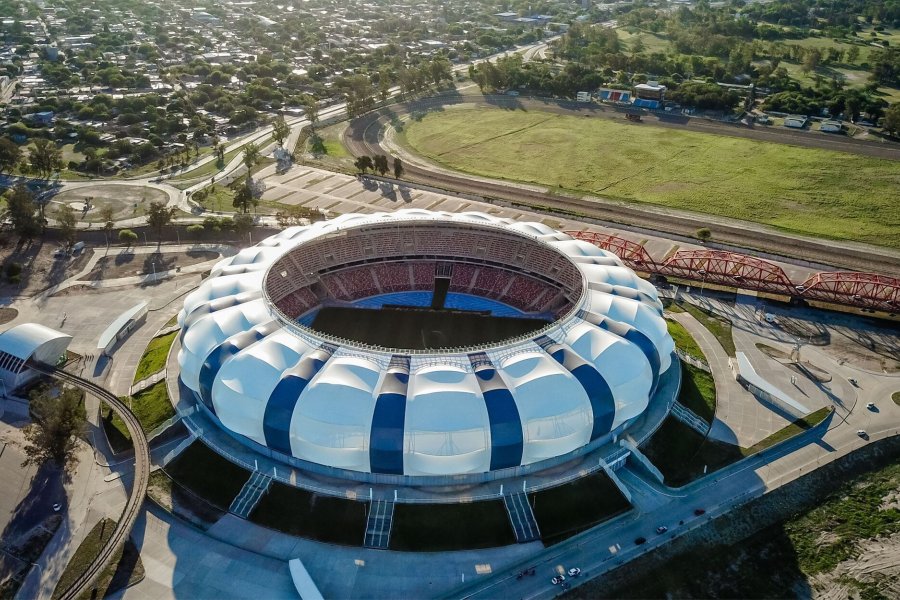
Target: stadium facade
(252, 357)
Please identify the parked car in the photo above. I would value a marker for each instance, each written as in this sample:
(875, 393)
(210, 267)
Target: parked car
(871, 406)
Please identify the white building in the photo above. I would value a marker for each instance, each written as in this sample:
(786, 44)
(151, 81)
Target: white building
(582, 378)
(29, 342)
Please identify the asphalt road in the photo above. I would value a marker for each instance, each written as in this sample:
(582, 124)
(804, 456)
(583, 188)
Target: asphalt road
(607, 547)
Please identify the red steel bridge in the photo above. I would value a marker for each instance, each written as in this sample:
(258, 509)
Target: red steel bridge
(849, 288)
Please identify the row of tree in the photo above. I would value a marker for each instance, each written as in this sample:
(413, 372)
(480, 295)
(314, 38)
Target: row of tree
(378, 164)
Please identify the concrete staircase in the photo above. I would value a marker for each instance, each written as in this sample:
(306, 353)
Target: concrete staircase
(378, 525)
(521, 517)
(250, 494)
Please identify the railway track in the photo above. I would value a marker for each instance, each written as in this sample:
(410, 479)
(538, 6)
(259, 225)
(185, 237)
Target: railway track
(132, 508)
(363, 137)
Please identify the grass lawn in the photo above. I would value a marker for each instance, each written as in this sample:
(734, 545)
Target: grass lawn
(564, 511)
(213, 166)
(205, 473)
(683, 339)
(853, 513)
(173, 321)
(680, 453)
(154, 358)
(698, 392)
(810, 191)
(653, 42)
(443, 527)
(896, 398)
(151, 406)
(719, 327)
(302, 513)
(180, 501)
(126, 567)
(326, 148)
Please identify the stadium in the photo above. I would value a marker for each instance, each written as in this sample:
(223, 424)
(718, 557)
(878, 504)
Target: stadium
(423, 347)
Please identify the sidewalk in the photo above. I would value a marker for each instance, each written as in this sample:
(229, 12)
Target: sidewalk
(740, 418)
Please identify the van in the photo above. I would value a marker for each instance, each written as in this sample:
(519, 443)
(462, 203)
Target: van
(770, 318)
(78, 247)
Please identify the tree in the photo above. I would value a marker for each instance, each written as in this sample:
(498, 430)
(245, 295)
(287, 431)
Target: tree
(243, 199)
(243, 223)
(45, 158)
(127, 237)
(852, 54)
(55, 425)
(107, 213)
(380, 164)
(312, 111)
(251, 156)
(398, 168)
(10, 154)
(703, 234)
(158, 216)
(363, 163)
(892, 119)
(20, 205)
(811, 60)
(280, 130)
(65, 217)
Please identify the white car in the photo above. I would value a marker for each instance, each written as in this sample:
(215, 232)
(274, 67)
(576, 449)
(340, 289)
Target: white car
(574, 572)
(558, 579)
(862, 433)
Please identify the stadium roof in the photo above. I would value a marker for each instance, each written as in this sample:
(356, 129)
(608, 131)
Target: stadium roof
(580, 380)
(22, 341)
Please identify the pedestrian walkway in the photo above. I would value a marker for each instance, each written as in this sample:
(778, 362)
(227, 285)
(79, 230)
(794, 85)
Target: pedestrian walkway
(379, 524)
(521, 517)
(250, 494)
(740, 419)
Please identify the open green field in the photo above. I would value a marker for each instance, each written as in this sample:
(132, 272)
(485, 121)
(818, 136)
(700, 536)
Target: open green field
(804, 190)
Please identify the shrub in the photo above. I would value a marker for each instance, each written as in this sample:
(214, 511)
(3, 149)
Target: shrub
(196, 230)
(13, 269)
(127, 236)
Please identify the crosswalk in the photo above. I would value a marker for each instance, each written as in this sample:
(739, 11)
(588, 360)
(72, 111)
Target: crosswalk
(521, 517)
